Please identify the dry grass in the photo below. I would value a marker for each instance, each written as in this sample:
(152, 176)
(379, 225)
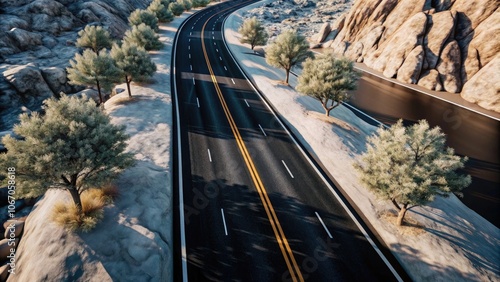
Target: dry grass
(67, 215)
(332, 120)
(410, 226)
(110, 192)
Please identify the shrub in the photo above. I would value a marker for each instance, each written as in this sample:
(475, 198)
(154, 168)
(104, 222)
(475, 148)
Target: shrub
(146, 17)
(176, 8)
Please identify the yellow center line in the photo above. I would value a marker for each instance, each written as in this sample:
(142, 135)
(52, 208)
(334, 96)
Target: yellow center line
(271, 214)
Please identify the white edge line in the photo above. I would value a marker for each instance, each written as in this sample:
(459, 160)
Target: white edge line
(224, 220)
(246, 102)
(263, 132)
(372, 243)
(324, 226)
(209, 155)
(198, 102)
(287, 168)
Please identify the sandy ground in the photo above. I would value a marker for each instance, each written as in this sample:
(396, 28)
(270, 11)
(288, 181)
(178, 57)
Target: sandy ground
(445, 241)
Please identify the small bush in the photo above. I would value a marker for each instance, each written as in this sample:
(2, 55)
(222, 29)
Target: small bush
(110, 192)
(138, 17)
(187, 4)
(67, 216)
(142, 35)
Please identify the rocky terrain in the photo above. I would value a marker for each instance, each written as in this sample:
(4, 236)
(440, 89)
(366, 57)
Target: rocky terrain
(440, 45)
(37, 39)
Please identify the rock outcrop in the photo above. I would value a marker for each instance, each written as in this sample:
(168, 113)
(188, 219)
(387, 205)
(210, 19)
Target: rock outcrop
(37, 39)
(440, 45)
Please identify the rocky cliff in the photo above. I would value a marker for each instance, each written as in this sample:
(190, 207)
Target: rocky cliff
(37, 40)
(442, 45)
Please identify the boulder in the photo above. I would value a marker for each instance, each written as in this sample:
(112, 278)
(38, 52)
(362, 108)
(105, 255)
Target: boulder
(440, 28)
(4, 272)
(471, 13)
(449, 67)
(28, 80)
(401, 14)
(394, 51)
(323, 32)
(11, 21)
(25, 40)
(484, 87)
(56, 78)
(13, 228)
(355, 51)
(409, 71)
(481, 43)
(430, 80)
(5, 248)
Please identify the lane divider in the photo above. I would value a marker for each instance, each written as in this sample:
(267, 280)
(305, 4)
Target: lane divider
(286, 251)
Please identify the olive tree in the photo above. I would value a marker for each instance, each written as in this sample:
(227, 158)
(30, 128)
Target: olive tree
(161, 11)
(139, 16)
(253, 33)
(94, 37)
(288, 50)
(411, 166)
(91, 69)
(134, 63)
(142, 35)
(73, 146)
(328, 79)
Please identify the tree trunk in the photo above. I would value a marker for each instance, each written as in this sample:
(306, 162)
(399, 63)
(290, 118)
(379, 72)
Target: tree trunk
(401, 214)
(76, 199)
(99, 90)
(287, 75)
(128, 87)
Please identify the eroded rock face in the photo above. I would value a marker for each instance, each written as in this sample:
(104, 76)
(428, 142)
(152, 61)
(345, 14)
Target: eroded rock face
(484, 87)
(28, 80)
(449, 67)
(457, 36)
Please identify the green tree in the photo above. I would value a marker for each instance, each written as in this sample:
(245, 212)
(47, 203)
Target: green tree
(139, 16)
(143, 36)
(134, 62)
(91, 69)
(288, 50)
(410, 166)
(328, 79)
(94, 37)
(73, 146)
(161, 11)
(200, 3)
(187, 4)
(176, 8)
(253, 32)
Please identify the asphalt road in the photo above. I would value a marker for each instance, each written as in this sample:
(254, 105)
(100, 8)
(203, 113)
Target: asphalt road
(255, 209)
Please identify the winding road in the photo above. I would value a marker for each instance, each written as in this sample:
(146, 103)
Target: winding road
(252, 205)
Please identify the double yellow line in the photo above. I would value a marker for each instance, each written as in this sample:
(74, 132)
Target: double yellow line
(271, 214)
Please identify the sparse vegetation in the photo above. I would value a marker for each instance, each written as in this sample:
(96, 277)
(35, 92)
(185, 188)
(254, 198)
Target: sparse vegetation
(253, 33)
(143, 36)
(411, 166)
(94, 37)
(328, 79)
(146, 17)
(288, 50)
(73, 147)
(134, 63)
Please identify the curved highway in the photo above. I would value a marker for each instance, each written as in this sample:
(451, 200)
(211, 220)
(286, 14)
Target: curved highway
(253, 207)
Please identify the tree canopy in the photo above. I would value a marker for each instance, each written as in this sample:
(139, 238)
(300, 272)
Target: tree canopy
(73, 146)
(143, 36)
(328, 79)
(410, 166)
(134, 62)
(146, 17)
(176, 8)
(253, 33)
(94, 37)
(288, 50)
(161, 11)
(91, 69)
